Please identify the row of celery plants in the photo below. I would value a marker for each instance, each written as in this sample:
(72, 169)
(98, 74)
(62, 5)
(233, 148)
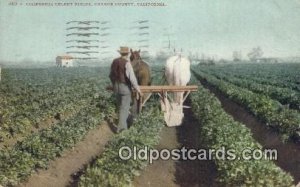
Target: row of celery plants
(280, 75)
(25, 104)
(109, 169)
(285, 121)
(285, 96)
(218, 129)
(35, 151)
(19, 119)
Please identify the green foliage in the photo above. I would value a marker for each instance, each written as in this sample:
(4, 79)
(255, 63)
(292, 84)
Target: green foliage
(286, 121)
(36, 150)
(220, 130)
(282, 75)
(29, 96)
(109, 169)
(285, 95)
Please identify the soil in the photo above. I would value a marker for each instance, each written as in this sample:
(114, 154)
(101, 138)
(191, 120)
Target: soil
(171, 173)
(59, 173)
(66, 170)
(288, 153)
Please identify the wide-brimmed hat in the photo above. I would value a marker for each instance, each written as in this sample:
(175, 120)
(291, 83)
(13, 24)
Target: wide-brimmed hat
(124, 50)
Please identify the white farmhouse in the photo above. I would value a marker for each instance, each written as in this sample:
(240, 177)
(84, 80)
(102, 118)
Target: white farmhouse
(64, 61)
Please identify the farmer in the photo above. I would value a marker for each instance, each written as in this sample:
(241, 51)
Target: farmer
(123, 78)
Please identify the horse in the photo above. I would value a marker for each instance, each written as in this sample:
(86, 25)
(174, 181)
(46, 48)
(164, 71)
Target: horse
(177, 72)
(142, 72)
(141, 68)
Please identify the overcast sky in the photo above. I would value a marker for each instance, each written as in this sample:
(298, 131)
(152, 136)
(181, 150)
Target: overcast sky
(214, 27)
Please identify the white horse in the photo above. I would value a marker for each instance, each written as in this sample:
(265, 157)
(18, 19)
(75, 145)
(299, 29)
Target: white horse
(177, 72)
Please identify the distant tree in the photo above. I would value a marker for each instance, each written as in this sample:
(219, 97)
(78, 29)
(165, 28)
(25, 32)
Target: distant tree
(237, 56)
(222, 61)
(255, 54)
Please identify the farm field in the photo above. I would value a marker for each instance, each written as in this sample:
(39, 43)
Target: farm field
(256, 88)
(50, 116)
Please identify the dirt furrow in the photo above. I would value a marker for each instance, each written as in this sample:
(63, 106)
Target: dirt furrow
(288, 153)
(60, 171)
(171, 173)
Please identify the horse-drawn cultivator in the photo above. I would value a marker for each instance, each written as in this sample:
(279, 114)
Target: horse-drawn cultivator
(173, 110)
